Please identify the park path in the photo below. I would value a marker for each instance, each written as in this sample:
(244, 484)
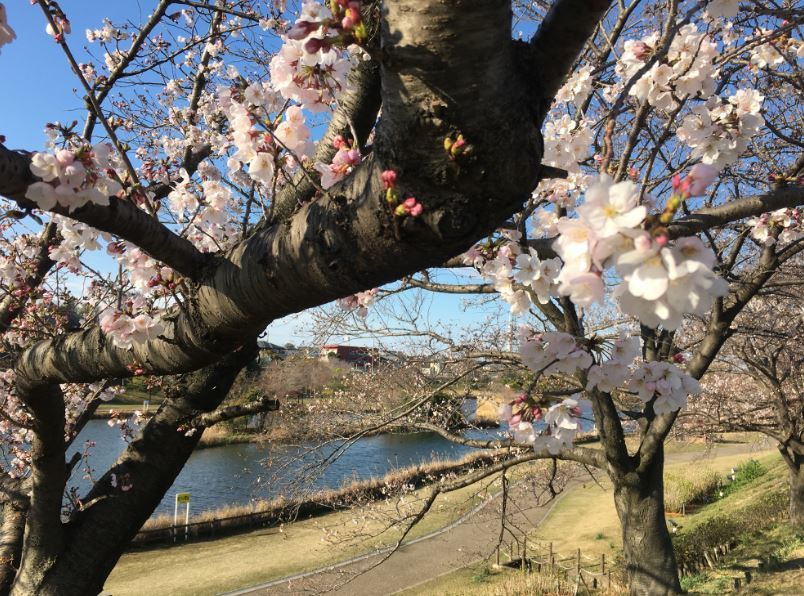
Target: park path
(472, 538)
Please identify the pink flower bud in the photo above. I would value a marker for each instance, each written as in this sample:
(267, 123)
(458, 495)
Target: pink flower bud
(347, 23)
(417, 210)
(641, 50)
(410, 202)
(338, 142)
(389, 179)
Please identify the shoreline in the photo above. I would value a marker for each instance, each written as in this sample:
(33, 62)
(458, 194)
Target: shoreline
(159, 532)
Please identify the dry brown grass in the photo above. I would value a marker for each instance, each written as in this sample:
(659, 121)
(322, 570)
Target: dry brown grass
(689, 485)
(280, 509)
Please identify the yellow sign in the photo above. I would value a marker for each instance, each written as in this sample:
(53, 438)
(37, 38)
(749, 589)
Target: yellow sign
(182, 498)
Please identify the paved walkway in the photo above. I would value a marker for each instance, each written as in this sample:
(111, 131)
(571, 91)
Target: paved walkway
(472, 538)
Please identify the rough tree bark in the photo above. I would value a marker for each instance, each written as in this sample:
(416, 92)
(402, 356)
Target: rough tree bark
(648, 550)
(793, 456)
(11, 534)
(94, 538)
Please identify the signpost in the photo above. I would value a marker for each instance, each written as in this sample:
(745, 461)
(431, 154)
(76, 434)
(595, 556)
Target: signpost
(183, 498)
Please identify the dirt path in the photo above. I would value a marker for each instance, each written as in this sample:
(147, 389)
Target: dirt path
(473, 538)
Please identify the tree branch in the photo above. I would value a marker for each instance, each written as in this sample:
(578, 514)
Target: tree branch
(348, 241)
(560, 39)
(120, 218)
(264, 404)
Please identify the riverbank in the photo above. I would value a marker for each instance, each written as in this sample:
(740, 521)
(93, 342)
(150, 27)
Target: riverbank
(159, 531)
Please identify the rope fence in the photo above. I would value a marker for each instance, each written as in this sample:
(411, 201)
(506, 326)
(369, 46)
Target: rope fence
(593, 572)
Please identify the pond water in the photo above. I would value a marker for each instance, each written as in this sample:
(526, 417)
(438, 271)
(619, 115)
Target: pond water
(238, 474)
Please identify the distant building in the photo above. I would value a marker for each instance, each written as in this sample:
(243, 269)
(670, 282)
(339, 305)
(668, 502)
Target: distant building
(359, 357)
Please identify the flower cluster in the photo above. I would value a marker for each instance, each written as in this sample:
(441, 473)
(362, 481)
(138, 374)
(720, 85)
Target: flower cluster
(789, 222)
(358, 302)
(561, 420)
(127, 328)
(410, 206)
(577, 88)
(61, 22)
(665, 382)
(495, 261)
(567, 141)
(563, 424)
(76, 237)
(726, 9)
(310, 68)
(257, 140)
(537, 274)
(767, 54)
(106, 33)
(72, 177)
(15, 426)
(660, 281)
(520, 415)
(612, 373)
(719, 132)
(552, 352)
(342, 164)
(687, 71)
(7, 34)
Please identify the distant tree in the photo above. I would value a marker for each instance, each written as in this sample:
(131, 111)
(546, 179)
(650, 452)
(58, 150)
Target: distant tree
(757, 383)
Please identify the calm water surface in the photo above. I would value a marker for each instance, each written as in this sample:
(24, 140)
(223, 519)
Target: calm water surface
(238, 474)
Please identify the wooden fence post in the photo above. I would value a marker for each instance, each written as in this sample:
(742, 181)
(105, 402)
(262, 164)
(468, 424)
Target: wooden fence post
(524, 551)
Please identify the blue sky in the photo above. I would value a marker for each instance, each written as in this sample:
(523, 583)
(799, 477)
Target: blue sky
(38, 87)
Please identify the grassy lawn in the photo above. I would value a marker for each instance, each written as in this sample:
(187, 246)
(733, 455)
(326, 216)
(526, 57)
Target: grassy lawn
(131, 400)
(260, 556)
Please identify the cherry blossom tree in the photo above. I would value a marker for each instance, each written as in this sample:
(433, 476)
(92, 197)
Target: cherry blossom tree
(756, 383)
(240, 161)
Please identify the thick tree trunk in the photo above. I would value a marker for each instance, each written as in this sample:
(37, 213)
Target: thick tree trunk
(11, 532)
(795, 464)
(96, 536)
(647, 547)
(797, 499)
